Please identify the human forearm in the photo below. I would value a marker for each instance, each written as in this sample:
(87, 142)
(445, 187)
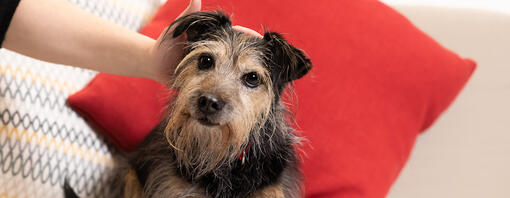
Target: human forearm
(59, 32)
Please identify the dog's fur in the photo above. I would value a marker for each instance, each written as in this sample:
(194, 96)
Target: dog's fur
(245, 149)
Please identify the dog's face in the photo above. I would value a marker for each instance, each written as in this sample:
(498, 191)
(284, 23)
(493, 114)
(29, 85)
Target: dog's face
(224, 84)
(229, 85)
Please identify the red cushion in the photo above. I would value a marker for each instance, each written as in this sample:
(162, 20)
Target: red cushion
(377, 83)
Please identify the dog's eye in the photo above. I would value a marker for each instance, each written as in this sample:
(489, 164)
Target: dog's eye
(251, 80)
(205, 61)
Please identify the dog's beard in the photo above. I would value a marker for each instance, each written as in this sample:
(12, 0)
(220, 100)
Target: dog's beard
(199, 149)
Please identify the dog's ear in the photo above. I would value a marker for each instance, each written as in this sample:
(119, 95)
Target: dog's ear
(288, 62)
(200, 25)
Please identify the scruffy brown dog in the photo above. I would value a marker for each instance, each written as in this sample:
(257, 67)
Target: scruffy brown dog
(226, 135)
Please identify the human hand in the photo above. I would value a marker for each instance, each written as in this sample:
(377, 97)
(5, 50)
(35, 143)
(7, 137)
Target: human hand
(168, 52)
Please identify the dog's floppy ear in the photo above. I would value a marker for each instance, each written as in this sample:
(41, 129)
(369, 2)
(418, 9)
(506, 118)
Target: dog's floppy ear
(200, 25)
(288, 62)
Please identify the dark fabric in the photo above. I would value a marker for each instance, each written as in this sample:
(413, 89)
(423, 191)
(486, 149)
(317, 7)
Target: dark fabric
(7, 8)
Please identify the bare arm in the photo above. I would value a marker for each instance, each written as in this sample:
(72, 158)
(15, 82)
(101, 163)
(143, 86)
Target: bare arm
(58, 31)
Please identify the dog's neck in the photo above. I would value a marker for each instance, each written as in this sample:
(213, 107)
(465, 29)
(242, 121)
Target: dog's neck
(261, 164)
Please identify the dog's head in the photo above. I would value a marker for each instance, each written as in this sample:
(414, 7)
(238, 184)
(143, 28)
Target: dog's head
(229, 85)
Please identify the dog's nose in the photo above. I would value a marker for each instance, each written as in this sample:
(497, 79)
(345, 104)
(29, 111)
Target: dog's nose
(208, 104)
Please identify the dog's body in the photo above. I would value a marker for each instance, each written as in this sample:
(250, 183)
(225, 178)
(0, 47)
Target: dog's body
(226, 135)
(275, 172)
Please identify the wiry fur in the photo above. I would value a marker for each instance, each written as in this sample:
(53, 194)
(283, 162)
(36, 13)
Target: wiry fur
(182, 157)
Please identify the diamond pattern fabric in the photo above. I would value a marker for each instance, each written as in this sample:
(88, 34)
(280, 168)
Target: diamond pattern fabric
(42, 140)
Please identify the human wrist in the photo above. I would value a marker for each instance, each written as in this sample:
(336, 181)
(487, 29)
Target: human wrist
(146, 65)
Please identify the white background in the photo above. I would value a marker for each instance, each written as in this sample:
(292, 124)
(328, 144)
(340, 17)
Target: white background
(493, 5)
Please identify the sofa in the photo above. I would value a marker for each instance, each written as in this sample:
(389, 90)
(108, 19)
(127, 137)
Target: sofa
(464, 154)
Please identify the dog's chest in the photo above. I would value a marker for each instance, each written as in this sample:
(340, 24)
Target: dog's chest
(240, 180)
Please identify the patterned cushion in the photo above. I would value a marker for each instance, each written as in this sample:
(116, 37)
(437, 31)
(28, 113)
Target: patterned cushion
(42, 141)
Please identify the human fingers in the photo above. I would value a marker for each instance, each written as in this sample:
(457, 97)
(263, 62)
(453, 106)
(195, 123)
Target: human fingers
(194, 6)
(247, 31)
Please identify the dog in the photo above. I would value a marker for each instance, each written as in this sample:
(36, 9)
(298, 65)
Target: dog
(227, 133)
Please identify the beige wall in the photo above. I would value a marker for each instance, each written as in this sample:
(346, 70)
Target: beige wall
(491, 5)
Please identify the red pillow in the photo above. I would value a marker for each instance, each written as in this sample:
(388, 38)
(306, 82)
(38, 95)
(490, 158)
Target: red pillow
(377, 83)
